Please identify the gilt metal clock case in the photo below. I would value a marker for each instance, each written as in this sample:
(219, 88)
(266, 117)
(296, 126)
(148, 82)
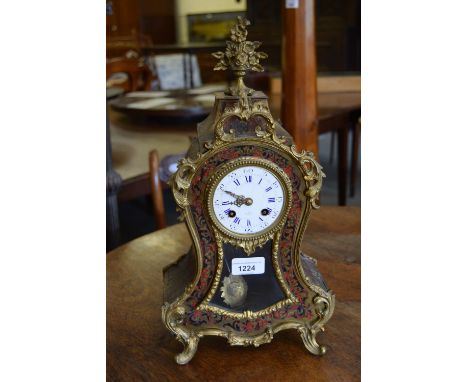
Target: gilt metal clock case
(245, 277)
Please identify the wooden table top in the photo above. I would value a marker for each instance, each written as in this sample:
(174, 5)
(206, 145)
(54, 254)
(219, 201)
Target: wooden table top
(113, 92)
(182, 105)
(176, 106)
(133, 139)
(140, 348)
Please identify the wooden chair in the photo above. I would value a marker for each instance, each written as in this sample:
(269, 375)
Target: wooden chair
(337, 84)
(156, 190)
(138, 74)
(151, 187)
(343, 84)
(113, 183)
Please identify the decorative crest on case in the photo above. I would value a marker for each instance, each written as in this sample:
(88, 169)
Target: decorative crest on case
(240, 56)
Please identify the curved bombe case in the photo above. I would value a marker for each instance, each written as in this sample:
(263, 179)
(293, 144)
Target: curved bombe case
(291, 294)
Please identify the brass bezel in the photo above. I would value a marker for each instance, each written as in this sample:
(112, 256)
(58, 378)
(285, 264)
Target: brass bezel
(259, 238)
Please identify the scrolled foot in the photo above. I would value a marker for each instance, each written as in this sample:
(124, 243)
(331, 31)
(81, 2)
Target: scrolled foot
(190, 348)
(172, 316)
(310, 342)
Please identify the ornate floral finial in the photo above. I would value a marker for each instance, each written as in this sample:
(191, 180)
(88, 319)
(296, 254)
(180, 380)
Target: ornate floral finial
(240, 56)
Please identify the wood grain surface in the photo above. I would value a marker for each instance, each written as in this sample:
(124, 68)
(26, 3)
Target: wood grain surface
(139, 348)
(299, 67)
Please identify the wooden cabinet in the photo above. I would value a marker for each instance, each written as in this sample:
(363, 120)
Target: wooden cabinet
(338, 32)
(122, 18)
(134, 24)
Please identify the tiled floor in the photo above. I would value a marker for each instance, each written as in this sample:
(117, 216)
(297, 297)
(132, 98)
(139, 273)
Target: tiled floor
(136, 217)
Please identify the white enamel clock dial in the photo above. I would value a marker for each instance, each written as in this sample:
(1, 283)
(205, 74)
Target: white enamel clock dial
(248, 200)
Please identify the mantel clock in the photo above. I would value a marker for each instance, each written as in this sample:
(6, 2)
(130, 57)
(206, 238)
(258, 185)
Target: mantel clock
(246, 194)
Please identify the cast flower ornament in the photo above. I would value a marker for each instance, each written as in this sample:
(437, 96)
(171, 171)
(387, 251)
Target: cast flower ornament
(240, 56)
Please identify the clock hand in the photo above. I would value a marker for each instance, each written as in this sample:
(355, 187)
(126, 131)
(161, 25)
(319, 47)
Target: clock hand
(243, 200)
(240, 199)
(234, 195)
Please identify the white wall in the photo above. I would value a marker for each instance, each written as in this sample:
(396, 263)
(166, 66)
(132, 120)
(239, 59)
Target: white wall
(186, 7)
